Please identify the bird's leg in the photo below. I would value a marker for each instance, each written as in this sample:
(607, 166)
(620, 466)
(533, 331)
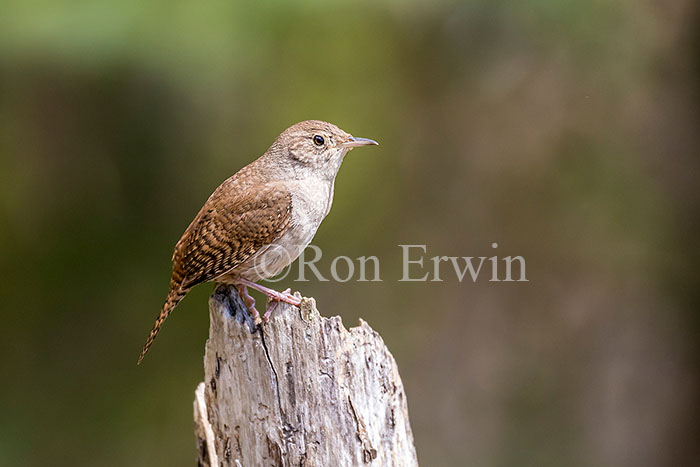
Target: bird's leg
(249, 301)
(285, 296)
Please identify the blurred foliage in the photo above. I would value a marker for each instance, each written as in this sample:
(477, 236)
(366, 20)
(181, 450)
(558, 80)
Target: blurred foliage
(565, 131)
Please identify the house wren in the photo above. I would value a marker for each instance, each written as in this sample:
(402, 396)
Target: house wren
(260, 220)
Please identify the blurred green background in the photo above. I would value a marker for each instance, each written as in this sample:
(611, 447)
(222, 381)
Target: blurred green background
(565, 131)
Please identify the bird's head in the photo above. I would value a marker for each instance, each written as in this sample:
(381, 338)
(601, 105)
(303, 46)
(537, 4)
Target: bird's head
(317, 146)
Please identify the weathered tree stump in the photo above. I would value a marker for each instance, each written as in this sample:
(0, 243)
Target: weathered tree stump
(302, 390)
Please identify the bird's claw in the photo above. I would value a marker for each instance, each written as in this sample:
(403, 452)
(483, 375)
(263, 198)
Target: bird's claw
(284, 296)
(287, 297)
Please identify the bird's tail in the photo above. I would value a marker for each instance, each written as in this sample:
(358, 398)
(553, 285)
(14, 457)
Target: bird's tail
(174, 296)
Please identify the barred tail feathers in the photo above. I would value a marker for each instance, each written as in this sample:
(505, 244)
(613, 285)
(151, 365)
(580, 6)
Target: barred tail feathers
(174, 296)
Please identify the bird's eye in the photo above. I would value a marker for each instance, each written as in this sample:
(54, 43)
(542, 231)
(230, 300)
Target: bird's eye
(318, 140)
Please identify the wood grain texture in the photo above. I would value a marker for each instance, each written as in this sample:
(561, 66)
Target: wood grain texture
(304, 391)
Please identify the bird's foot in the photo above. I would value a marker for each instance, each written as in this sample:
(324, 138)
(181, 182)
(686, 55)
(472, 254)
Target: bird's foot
(272, 306)
(274, 295)
(286, 296)
(250, 303)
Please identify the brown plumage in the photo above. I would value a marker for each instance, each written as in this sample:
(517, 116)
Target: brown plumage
(278, 200)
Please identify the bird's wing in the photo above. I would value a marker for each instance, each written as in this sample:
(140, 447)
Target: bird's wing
(228, 230)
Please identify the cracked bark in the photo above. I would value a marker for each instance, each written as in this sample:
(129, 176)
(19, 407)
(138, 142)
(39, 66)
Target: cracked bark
(301, 391)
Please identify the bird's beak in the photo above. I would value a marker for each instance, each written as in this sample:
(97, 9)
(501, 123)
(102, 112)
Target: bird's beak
(355, 141)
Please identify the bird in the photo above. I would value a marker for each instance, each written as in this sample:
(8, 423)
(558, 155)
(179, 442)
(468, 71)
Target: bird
(259, 220)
